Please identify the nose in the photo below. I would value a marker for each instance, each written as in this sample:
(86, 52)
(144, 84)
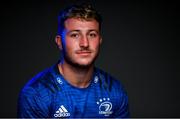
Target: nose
(84, 42)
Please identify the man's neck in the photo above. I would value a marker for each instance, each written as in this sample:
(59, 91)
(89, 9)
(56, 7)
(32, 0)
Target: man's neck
(77, 77)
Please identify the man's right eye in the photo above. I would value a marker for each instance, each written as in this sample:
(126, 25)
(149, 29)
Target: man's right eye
(74, 35)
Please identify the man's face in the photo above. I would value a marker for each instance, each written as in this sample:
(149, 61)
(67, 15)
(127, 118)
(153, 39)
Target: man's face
(81, 41)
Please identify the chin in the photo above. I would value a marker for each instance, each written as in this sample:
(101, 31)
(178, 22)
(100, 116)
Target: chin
(85, 64)
(82, 66)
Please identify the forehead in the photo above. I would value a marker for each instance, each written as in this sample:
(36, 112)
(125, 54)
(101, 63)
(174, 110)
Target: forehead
(81, 24)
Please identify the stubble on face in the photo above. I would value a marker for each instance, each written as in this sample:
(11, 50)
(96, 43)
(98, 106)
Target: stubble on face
(68, 59)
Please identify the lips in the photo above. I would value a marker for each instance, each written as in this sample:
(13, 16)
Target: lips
(83, 53)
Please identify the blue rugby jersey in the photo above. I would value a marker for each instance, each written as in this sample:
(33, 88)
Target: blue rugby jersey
(49, 95)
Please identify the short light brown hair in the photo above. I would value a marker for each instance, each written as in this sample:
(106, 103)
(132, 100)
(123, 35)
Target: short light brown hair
(82, 11)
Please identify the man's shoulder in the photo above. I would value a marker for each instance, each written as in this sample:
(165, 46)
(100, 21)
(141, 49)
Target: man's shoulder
(109, 80)
(106, 75)
(41, 82)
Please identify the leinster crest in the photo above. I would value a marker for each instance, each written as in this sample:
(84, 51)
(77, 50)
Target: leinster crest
(105, 106)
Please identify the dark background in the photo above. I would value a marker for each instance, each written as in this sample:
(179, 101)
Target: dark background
(140, 47)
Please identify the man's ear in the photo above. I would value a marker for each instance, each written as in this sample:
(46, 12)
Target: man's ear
(58, 41)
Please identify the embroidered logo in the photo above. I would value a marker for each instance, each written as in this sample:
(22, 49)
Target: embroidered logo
(96, 79)
(105, 106)
(59, 80)
(62, 112)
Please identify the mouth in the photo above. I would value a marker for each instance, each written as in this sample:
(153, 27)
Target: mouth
(83, 53)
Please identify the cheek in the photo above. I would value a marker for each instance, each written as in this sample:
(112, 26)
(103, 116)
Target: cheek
(71, 45)
(96, 45)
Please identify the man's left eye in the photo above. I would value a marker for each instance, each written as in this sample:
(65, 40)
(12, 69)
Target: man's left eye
(92, 35)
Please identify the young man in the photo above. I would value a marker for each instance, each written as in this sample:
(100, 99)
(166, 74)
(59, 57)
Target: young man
(74, 87)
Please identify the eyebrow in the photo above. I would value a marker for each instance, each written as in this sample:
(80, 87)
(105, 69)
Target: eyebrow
(73, 31)
(70, 31)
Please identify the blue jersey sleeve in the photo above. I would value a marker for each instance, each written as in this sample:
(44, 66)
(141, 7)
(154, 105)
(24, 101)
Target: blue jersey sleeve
(123, 110)
(123, 106)
(31, 105)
